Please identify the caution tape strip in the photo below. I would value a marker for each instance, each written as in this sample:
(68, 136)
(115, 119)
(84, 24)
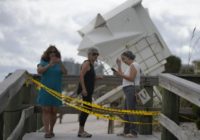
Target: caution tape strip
(67, 100)
(120, 111)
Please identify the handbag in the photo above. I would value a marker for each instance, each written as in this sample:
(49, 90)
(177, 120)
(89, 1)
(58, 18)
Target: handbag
(143, 96)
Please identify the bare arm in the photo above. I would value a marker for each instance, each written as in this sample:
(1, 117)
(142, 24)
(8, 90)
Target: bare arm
(119, 63)
(42, 69)
(131, 75)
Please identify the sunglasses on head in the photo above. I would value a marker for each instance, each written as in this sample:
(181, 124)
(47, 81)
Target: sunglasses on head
(95, 54)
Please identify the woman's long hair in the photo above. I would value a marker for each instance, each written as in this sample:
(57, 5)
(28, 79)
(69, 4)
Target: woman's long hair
(46, 53)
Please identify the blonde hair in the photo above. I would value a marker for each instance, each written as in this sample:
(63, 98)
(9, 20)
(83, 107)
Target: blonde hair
(92, 50)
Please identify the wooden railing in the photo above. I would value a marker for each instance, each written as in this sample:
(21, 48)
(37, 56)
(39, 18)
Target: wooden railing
(176, 87)
(19, 115)
(16, 107)
(10, 87)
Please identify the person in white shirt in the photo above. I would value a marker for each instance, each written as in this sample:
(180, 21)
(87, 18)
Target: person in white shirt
(131, 85)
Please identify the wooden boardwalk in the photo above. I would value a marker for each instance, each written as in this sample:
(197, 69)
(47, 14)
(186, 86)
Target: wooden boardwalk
(60, 136)
(68, 131)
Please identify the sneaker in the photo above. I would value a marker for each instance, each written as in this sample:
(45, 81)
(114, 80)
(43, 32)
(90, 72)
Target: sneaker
(84, 135)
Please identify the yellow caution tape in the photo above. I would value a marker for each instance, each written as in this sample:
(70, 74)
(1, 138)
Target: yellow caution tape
(119, 111)
(86, 109)
(101, 115)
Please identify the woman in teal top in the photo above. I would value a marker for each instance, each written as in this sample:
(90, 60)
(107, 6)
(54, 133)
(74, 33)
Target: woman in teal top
(51, 69)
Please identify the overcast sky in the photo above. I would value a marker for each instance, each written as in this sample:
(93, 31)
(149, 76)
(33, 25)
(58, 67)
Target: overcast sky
(27, 27)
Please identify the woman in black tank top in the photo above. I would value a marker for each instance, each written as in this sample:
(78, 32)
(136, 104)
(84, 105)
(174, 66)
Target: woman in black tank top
(86, 87)
(89, 79)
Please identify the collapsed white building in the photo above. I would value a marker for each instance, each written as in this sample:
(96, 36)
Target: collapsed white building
(127, 27)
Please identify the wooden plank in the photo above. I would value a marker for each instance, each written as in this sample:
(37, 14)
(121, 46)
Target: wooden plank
(26, 113)
(183, 88)
(175, 129)
(170, 108)
(190, 77)
(12, 114)
(63, 110)
(110, 96)
(147, 129)
(98, 127)
(10, 87)
(71, 136)
(108, 80)
(111, 123)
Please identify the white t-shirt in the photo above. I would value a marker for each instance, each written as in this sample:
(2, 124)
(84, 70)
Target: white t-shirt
(136, 81)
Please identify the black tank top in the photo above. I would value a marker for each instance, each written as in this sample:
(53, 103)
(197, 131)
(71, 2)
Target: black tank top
(89, 80)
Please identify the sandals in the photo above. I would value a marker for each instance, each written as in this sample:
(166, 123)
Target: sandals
(52, 134)
(49, 135)
(84, 135)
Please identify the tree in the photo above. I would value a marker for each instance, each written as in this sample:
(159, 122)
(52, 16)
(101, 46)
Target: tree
(173, 64)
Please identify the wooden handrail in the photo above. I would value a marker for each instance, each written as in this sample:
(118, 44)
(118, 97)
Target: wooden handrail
(176, 87)
(181, 87)
(10, 87)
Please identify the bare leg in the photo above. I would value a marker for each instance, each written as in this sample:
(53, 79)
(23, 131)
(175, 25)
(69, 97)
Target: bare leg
(53, 118)
(46, 119)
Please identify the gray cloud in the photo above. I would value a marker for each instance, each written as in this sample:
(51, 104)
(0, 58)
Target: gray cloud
(27, 27)
(177, 34)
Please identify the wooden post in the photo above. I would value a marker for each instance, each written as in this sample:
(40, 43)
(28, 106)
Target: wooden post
(26, 98)
(147, 129)
(34, 94)
(110, 127)
(32, 121)
(39, 121)
(1, 126)
(12, 115)
(111, 123)
(147, 82)
(170, 108)
(37, 117)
